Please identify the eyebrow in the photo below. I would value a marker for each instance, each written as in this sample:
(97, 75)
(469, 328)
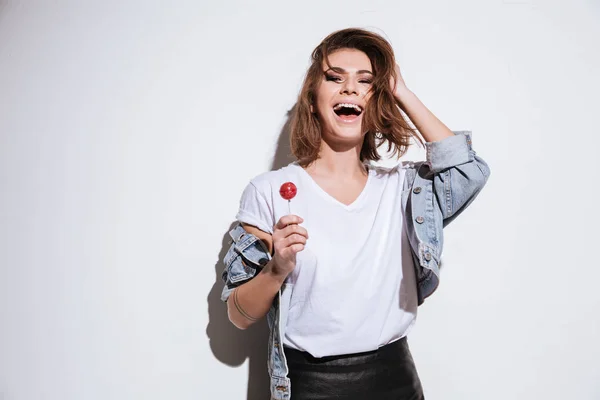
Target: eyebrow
(343, 71)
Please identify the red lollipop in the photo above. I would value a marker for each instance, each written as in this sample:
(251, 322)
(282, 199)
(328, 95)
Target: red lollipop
(288, 192)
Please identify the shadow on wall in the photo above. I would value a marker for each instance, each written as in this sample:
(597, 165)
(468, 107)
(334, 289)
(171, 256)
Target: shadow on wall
(283, 153)
(230, 345)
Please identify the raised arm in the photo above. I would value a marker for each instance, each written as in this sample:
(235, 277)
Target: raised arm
(458, 172)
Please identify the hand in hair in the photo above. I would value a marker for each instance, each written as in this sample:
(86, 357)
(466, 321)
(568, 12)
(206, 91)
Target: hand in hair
(398, 85)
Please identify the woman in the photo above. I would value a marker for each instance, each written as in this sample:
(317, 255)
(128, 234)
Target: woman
(341, 276)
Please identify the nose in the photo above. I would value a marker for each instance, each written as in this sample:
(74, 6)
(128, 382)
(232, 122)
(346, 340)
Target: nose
(349, 87)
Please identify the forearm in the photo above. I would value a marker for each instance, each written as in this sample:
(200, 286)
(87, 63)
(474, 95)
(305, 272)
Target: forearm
(430, 127)
(251, 301)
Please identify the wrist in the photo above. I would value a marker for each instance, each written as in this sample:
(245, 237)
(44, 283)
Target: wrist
(403, 93)
(274, 273)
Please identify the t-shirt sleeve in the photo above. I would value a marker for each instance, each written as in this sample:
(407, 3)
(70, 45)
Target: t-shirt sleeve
(255, 209)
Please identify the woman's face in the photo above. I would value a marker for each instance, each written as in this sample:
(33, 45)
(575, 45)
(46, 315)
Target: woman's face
(342, 95)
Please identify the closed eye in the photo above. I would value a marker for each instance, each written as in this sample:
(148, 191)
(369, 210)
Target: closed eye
(332, 78)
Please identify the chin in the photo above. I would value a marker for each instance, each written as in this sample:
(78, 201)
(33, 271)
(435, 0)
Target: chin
(347, 134)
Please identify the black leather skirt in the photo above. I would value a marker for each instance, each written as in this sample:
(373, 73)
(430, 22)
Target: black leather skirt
(387, 373)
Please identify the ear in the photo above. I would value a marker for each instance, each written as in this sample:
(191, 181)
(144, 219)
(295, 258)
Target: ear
(312, 109)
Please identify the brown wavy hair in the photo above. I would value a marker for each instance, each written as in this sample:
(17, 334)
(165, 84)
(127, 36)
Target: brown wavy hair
(382, 119)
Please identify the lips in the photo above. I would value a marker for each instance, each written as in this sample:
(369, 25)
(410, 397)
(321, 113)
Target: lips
(347, 112)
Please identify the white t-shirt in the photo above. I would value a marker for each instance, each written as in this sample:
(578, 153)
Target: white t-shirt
(353, 288)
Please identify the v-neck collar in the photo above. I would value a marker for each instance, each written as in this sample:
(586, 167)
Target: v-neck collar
(355, 204)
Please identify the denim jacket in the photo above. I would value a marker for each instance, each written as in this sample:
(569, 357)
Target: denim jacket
(441, 187)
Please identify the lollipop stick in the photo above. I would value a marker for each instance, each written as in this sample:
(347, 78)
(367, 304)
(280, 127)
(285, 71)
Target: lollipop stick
(289, 207)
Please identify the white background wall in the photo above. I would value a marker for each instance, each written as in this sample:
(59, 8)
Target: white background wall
(128, 130)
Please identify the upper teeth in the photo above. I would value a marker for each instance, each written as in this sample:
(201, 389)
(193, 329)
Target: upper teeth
(349, 105)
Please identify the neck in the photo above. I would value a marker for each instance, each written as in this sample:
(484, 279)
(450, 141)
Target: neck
(338, 164)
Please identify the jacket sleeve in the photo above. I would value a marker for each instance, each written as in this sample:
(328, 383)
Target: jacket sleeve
(459, 173)
(247, 255)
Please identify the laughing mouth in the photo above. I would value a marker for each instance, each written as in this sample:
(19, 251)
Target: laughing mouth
(347, 110)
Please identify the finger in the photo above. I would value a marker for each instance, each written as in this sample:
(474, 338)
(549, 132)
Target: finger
(287, 220)
(283, 242)
(297, 248)
(294, 239)
(291, 229)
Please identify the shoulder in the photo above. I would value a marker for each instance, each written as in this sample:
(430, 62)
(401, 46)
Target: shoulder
(403, 173)
(266, 182)
(258, 202)
(383, 170)
(394, 170)
(406, 165)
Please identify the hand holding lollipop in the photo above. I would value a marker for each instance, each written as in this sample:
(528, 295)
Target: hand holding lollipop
(288, 237)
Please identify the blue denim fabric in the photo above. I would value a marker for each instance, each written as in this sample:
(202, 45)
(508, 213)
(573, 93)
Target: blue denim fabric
(435, 192)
